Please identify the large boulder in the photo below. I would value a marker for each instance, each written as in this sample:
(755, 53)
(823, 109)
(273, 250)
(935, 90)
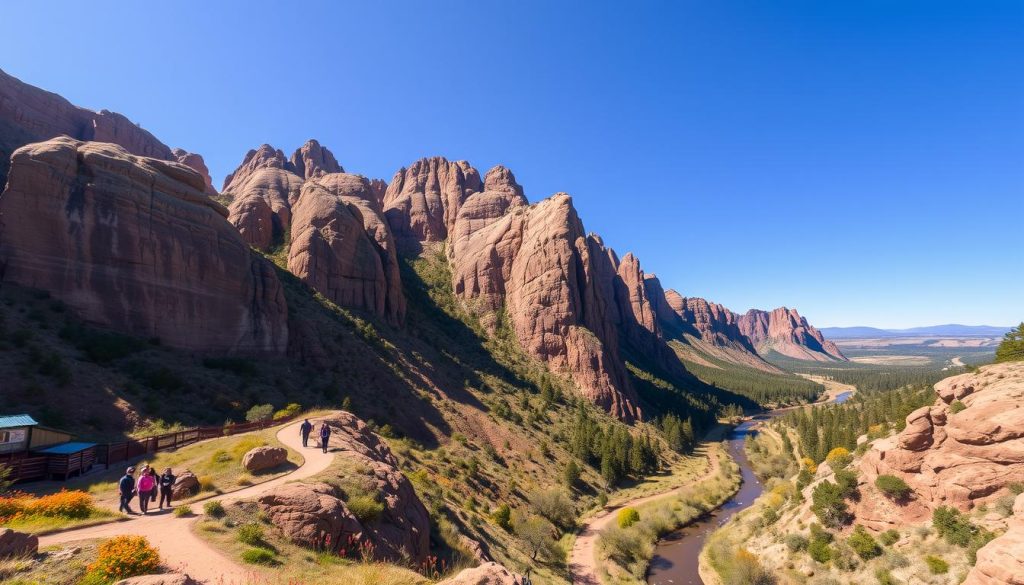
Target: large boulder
(958, 457)
(263, 458)
(135, 245)
(17, 544)
(1001, 562)
(312, 515)
(489, 573)
(186, 485)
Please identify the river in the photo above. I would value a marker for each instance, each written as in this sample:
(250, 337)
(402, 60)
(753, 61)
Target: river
(675, 558)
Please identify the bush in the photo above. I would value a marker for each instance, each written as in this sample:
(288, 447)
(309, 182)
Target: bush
(365, 507)
(956, 407)
(183, 511)
(292, 409)
(952, 526)
(259, 556)
(627, 517)
(260, 412)
(571, 474)
(863, 544)
(503, 517)
(554, 505)
(885, 577)
(72, 504)
(889, 537)
(936, 565)
(796, 542)
(250, 533)
(847, 482)
(625, 547)
(828, 505)
(538, 535)
(122, 557)
(214, 509)
(818, 546)
(839, 458)
(893, 486)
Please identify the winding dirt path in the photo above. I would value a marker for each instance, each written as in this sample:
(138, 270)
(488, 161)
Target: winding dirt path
(180, 549)
(583, 557)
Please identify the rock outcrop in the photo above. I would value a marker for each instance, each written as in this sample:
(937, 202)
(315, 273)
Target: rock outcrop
(341, 247)
(185, 486)
(312, 160)
(29, 114)
(1001, 562)
(263, 458)
(17, 544)
(422, 201)
(315, 515)
(952, 456)
(784, 331)
(262, 191)
(489, 573)
(163, 579)
(196, 163)
(536, 263)
(135, 245)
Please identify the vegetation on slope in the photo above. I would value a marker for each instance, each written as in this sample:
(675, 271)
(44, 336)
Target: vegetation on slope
(1011, 348)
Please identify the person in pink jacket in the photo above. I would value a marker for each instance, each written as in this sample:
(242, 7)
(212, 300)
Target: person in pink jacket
(145, 487)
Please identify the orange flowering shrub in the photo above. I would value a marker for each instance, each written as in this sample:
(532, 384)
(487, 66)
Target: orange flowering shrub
(64, 504)
(122, 557)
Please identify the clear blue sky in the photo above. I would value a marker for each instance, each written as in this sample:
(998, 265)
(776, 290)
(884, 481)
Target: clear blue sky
(861, 161)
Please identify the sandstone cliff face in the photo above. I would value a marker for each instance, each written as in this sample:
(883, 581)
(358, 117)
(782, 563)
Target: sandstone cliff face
(341, 248)
(422, 201)
(315, 514)
(196, 163)
(1001, 562)
(786, 332)
(537, 262)
(262, 191)
(957, 459)
(312, 160)
(29, 114)
(134, 244)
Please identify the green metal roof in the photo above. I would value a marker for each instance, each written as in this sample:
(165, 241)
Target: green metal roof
(17, 420)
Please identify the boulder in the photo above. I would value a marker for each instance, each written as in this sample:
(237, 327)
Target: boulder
(134, 244)
(265, 457)
(164, 579)
(186, 485)
(1001, 562)
(918, 433)
(17, 544)
(489, 573)
(312, 515)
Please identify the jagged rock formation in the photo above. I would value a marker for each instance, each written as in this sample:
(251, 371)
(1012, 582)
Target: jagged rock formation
(950, 456)
(315, 514)
(784, 331)
(196, 163)
(1001, 562)
(134, 244)
(707, 329)
(422, 201)
(29, 114)
(312, 160)
(262, 191)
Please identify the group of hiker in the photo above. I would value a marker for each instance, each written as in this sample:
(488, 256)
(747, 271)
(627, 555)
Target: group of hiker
(148, 488)
(325, 434)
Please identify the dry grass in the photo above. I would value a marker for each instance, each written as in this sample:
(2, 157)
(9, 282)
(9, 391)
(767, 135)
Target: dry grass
(53, 566)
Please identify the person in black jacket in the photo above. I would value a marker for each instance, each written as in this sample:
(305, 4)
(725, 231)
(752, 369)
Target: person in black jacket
(166, 484)
(325, 436)
(305, 429)
(127, 489)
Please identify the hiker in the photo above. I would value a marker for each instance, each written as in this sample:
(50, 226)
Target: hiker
(166, 487)
(127, 488)
(305, 429)
(156, 482)
(145, 489)
(325, 436)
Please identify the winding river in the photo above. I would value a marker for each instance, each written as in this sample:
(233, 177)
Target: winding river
(675, 558)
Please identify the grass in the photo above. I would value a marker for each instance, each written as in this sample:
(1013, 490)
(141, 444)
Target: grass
(53, 566)
(41, 525)
(217, 462)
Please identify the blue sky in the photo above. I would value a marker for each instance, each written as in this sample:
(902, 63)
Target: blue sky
(861, 161)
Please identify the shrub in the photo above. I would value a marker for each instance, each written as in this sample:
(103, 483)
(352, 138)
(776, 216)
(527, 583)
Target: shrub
(893, 486)
(214, 509)
(259, 556)
(206, 484)
(847, 482)
(839, 458)
(554, 505)
(828, 505)
(122, 557)
(250, 533)
(936, 565)
(538, 535)
(952, 526)
(625, 547)
(365, 507)
(796, 542)
(1004, 505)
(889, 537)
(627, 517)
(183, 511)
(956, 407)
(1016, 488)
(769, 516)
(572, 473)
(291, 409)
(819, 550)
(885, 577)
(863, 544)
(503, 517)
(260, 412)
(65, 504)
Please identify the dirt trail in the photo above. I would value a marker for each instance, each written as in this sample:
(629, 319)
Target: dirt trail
(583, 557)
(180, 549)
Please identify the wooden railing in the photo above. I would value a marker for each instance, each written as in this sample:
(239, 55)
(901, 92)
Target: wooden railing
(29, 467)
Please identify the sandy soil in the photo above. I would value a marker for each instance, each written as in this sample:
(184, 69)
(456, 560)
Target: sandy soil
(180, 549)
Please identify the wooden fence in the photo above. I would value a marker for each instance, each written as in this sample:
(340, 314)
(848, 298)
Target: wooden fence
(27, 466)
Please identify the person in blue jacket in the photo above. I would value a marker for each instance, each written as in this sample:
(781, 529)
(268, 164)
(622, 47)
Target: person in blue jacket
(127, 489)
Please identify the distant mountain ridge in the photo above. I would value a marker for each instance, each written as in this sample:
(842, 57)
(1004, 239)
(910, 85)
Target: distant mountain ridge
(949, 330)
